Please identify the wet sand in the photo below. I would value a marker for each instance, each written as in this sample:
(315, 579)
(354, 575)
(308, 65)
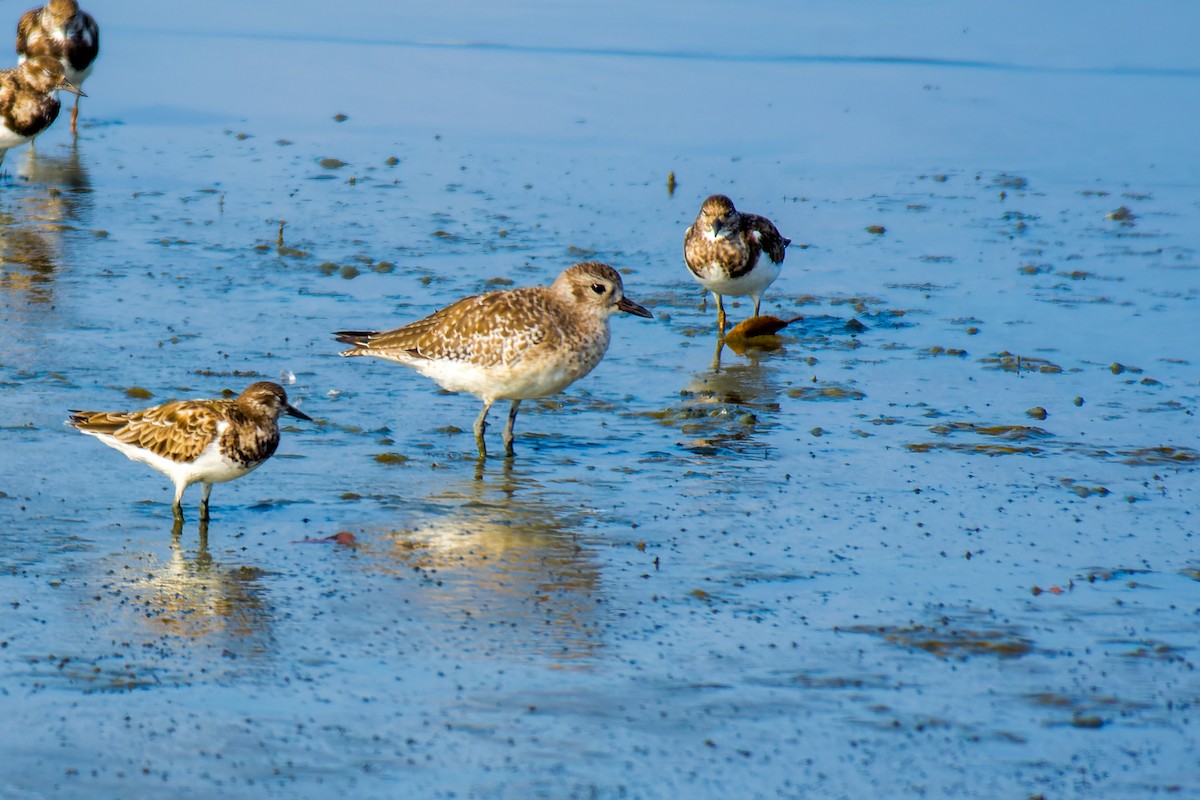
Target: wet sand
(945, 520)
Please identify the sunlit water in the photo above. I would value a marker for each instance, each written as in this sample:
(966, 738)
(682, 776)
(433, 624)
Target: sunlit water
(857, 560)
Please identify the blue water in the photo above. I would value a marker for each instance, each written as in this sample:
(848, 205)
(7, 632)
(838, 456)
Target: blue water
(780, 575)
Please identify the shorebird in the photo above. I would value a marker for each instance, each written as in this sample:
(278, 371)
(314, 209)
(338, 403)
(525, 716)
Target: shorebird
(196, 441)
(27, 101)
(722, 249)
(64, 32)
(513, 345)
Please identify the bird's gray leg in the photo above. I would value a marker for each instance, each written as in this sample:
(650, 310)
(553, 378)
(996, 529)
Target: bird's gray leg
(480, 427)
(508, 429)
(177, 506)
(205, 491)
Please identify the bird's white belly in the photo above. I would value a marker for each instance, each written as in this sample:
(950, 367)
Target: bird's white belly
(210, 467)
(753, 283)
(523, 381)
(10, 139)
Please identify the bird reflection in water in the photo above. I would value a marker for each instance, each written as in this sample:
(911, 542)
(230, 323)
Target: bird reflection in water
(34, 219)
(723, 409)
(62, 170)
(194, 596)
(505, 557)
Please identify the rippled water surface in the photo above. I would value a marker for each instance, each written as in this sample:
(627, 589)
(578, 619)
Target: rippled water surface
(937, 538)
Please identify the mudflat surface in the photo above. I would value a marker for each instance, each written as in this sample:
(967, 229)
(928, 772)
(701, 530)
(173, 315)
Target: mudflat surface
(938, 538)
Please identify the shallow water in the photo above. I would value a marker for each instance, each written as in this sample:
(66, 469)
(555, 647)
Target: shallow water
(781, 575)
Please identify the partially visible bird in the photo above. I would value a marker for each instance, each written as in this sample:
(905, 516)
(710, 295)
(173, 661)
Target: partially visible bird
(62, 31)
(516, 344)
(27, 101)
(196, 441)
(722, 249)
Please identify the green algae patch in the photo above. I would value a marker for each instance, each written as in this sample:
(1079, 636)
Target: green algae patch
(1018, 433)
(938, 350)
(1161, 455)
(1118, 369)
(825, 392)
(975, 449)
(1083, 490)
(950, 642)
(1009, 362)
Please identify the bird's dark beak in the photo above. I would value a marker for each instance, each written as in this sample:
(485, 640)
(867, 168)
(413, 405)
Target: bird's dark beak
(630, 307)
(66, 86)
(292, 411)
(718, 225)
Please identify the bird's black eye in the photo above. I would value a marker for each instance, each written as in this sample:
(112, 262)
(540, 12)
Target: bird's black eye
(598, 288)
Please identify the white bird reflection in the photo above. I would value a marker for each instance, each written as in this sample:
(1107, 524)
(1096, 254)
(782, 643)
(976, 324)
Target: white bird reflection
(506, 559)
(192, 595)
(33, 219)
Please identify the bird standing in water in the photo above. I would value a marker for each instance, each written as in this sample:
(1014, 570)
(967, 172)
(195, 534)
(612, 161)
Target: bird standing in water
(722, 249)
(515, 344)
(196, 441)
(27, 101)
(61, 30)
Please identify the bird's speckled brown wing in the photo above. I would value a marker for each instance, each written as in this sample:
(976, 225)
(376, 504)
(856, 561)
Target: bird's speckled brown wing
(29, 35)
(79, 48)
(8, 88)
(485, 330)
(179, 431)
(772, 242)
(82, 50)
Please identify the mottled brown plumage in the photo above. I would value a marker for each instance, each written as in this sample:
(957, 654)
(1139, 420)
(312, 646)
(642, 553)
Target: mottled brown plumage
(196, 441)
(27, 102)
(514, 345)
(722, 249)
(65, 33)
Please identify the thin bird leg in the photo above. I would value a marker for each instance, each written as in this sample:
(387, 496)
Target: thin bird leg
(480, 427)
(74, 116)
(720, 312)
(205, 491)
(177, 506)
(716, 364)
(757, 303)
(508, 429)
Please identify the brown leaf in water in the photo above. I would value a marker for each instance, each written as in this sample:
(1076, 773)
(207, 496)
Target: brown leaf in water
(762, 325)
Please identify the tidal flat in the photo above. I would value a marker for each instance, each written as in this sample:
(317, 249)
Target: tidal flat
(937, 537)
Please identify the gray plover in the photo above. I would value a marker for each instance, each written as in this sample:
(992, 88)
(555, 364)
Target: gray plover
(722, 249)
(27, 101)
(196, 441)
(513, 345)
(64, 32)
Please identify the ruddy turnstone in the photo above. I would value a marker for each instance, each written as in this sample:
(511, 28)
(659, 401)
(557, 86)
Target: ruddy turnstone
(513, 345)
(196, 441)
(64, 32)
(27, 101)
(722, 247)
